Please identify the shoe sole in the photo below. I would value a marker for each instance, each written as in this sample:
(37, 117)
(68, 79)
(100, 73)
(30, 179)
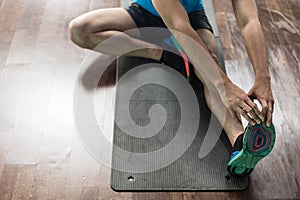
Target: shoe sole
(258, 142)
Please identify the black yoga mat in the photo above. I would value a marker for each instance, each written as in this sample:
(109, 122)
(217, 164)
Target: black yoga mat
(143, 162)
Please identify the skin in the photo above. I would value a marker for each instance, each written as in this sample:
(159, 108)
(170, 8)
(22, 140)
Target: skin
(247, 17)
(90, 29)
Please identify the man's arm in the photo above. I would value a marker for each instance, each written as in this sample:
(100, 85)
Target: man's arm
(176, 19)
(247, 18)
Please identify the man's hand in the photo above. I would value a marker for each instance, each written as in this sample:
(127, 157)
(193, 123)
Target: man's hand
(236, 100)
(248, 21)
(261, 91)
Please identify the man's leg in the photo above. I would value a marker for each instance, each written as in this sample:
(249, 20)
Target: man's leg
(232, 124)
(248, 148)
(90, 29)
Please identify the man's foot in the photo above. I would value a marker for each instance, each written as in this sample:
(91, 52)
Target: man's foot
(250, 147)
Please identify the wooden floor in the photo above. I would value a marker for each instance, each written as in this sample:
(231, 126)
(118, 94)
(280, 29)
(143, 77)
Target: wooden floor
(41, 156)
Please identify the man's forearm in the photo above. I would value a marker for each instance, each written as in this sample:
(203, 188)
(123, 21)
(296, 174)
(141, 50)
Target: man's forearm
(256, 48)
(178, 23)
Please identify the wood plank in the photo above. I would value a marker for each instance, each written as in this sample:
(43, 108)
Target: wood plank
(10, 93)
(27, 30)
(295, 8)
(32, 106)
(227, 46)
(9, 178)
(285, 9)
(9, 16)
(16, 181)
(222, 6)
(1, 3)
(5, 134)
(24, 183)
(273, 4)
(51, 172)
(289, 36)
(157, 195)
(83, 177)
(285, 71)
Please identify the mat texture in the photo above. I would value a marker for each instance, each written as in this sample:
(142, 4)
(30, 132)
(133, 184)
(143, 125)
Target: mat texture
(189, 172)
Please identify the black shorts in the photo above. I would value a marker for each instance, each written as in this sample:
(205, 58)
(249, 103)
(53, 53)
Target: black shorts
(144, 18)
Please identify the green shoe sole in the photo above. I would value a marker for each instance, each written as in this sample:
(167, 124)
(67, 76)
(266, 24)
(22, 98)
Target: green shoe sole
(258, 142)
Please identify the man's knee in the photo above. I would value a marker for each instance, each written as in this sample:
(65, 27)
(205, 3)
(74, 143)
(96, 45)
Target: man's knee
(79, 32)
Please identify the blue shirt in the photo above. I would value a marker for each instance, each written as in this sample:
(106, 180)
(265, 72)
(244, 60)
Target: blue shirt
(189, 5)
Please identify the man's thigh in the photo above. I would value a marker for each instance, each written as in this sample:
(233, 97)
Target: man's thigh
(106, 19)
(201, 25)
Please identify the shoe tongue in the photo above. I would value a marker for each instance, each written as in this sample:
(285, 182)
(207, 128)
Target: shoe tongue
(238, 145)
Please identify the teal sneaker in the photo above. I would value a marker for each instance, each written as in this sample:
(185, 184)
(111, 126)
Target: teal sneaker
(258, 141)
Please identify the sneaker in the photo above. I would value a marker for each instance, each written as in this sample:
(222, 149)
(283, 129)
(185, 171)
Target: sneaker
(258, 141)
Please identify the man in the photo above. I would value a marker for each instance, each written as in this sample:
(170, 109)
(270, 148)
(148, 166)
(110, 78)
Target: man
(188, 17)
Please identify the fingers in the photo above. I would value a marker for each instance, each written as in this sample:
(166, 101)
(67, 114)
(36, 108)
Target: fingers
(270, 112)
(264, 110)
(244, 114)
(255, 109)
(248, 109)
(231, 112)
